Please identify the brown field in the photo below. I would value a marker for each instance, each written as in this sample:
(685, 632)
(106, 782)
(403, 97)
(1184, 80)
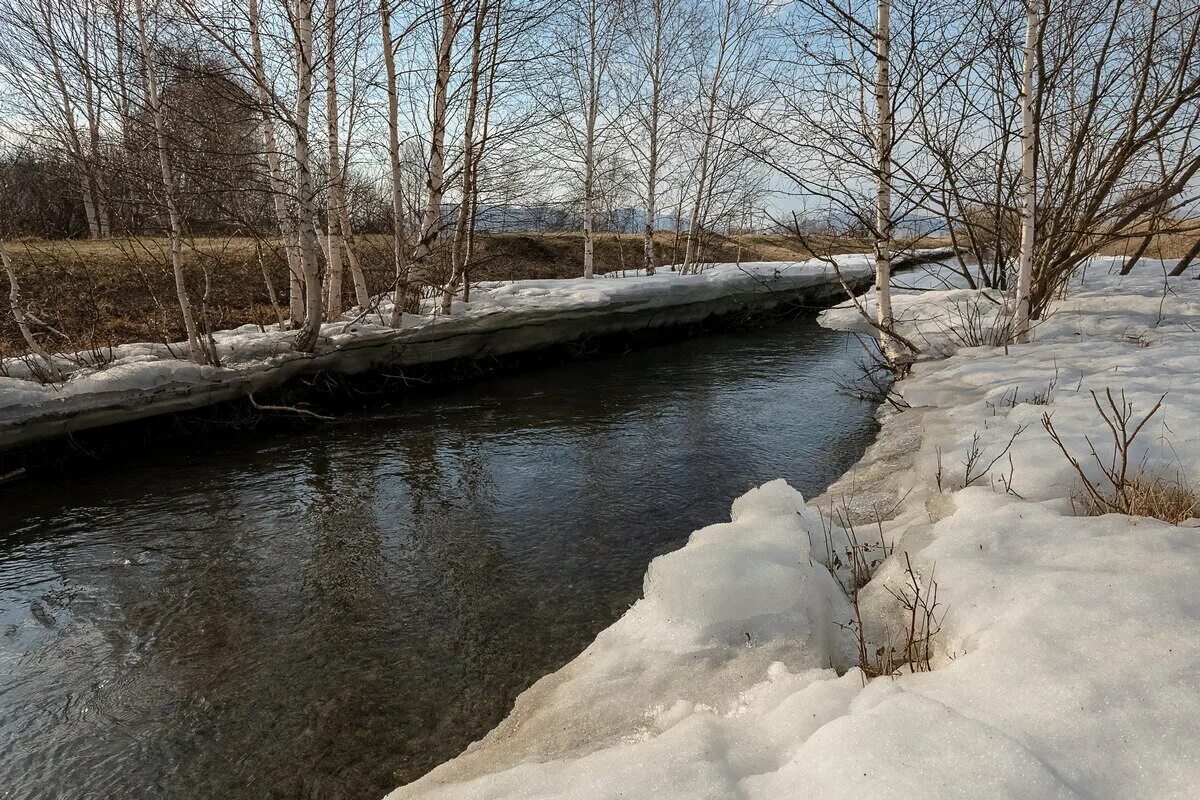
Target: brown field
(103, 293)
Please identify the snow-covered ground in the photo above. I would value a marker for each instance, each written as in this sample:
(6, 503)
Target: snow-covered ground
(137, 380)
(1066, 661)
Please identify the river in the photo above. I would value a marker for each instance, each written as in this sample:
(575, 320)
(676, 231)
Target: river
(330, 612)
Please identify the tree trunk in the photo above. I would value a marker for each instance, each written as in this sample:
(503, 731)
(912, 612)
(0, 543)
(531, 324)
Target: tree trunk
(883, 189)
(401, 266)
(1186, 261)
(1028, 174)
(692, 243)
(1131, 262)
(18, 314)
(70, 135)
(306, 339)
(592, 116)
(435, 184)
(489, 98)
(333, 217)
(648, 254)
(279, 191)
(197, 352)
(458, 253)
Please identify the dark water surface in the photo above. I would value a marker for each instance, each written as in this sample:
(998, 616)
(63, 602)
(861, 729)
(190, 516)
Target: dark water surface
(332, 612)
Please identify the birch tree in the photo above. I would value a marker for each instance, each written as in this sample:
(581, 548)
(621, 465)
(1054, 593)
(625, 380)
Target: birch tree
(1029, 138)
(199, 353)
(306, 339)
(725, 85)
(46, 61)
(577, 99)
(460, 250)
(450, 20)
(1129, 154)
(18, 314)
(395, 166)
(663, 37)
(883, 179)
(279, 190)
(339, 236)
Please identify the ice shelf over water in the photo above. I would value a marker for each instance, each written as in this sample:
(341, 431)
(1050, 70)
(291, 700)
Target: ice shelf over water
(140, 380)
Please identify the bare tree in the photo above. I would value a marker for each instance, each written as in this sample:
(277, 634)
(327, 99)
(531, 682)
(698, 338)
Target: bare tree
(395, 167)
(306, 339)
(723, 72)
(1029, 138)
(450, 22)
(578, 99)
(460, 253)
(279, 191)
(199, 353)
(663, 36)
(883, 179)
(19, 317)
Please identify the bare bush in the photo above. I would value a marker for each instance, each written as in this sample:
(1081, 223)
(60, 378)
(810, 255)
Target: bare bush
(976, 464)
(923, 614)
(1136, 489)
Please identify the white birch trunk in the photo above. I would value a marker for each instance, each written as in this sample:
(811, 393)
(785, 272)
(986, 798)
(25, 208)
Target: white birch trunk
(458, 253)
(333, 215)
(435, 183)
(92, 111)
(306, 339)
(691, 245)
(70, 132)
(883, 192)
(197, 352)
(648, 254)
(1028, 174)
(592, 114)
(279, 191)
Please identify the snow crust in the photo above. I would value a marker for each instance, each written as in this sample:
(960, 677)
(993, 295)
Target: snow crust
(1068, 660)
(140, 379)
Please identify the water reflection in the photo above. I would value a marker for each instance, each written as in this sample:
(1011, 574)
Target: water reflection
(328, 614)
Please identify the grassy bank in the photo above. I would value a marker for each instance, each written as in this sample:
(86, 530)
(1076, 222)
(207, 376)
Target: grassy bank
(102, 293)
(95, 294)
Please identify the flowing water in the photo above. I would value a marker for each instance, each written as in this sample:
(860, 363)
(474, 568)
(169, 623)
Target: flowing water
(331, 612)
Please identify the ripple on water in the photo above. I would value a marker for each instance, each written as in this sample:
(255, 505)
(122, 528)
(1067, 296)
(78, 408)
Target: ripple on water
(327, 613)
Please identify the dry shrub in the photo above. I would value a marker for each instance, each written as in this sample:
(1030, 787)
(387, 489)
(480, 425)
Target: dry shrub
(917, 597)
(1161, 494)
(1135, 489)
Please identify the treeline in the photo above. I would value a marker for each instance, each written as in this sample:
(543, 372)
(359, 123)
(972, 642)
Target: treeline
(1033, 134)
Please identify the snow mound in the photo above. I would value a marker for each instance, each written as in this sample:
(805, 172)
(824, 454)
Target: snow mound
(1067, 664)
(680, 697)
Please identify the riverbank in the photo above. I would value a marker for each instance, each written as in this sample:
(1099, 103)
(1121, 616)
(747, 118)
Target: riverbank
(134, 382)
(109, 291)
(1039, 651)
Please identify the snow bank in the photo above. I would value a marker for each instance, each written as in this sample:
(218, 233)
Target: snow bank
(145, 379)
(1068, 660)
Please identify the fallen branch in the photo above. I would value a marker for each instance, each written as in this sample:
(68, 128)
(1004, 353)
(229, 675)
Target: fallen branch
(304, 412)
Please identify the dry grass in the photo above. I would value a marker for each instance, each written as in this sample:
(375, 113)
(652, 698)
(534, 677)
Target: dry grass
(1165, 246)
(1160, 494)
(94, 294)
(1127, 487)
